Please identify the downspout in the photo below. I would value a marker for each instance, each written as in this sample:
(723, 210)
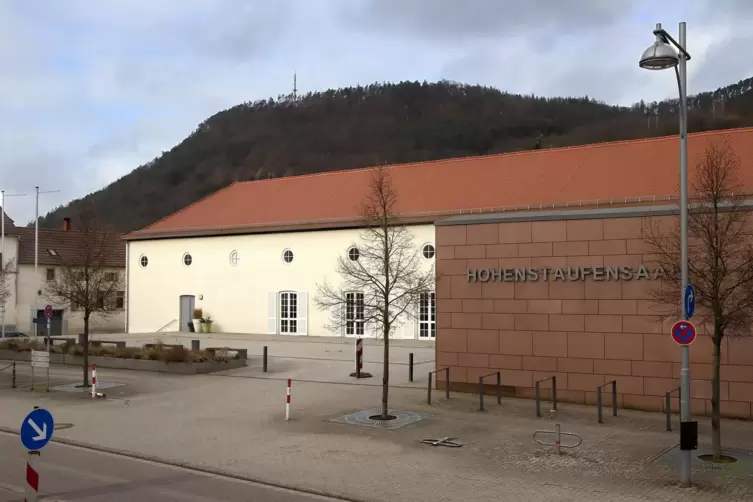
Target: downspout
(127, 289)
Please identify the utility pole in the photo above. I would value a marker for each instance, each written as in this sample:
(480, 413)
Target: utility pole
(36, 248)
(3, 195)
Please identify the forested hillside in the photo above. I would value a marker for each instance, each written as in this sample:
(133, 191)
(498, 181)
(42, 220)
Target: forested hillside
(383, 124)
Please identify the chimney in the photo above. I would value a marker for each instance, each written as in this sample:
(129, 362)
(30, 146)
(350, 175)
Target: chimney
(66, 224)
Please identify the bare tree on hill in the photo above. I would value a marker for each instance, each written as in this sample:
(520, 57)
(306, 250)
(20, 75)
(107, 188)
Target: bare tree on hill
(383, 284)
(720, 259)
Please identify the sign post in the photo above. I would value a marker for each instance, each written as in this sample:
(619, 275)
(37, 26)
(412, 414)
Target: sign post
(36, 432)
(48, 315)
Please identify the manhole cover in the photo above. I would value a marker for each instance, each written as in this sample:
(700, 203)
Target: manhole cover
(744, 464)
(77, 387)
(370, 418)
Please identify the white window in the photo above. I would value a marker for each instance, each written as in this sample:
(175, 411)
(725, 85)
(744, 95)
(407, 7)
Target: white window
(234, 258)
(288, 312)
(187, 259)
(354, 314)
(144, 261)
(354, 254)
(428, 251)
(427, 316)
(287, 256)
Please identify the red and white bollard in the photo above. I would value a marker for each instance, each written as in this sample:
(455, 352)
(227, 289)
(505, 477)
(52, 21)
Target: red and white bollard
(32, 477)
(287, 401)
(95, 394)
(94, 381)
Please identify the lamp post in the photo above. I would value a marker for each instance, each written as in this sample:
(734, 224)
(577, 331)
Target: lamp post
(36, 252)
(660, 56)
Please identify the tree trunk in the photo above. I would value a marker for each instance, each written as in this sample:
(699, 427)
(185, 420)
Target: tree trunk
(386, 373)
(716, 433)
(86, 350)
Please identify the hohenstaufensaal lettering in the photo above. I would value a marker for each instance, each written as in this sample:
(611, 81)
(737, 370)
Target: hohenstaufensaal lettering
(619, 273)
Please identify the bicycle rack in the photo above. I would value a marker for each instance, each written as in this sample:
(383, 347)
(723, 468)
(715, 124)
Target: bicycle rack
(558, 441)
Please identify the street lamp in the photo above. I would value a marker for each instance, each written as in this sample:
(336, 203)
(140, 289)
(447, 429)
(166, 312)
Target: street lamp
(660, 56)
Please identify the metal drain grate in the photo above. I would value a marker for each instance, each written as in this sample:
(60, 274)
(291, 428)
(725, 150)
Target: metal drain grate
(402, 418)
(76, 387)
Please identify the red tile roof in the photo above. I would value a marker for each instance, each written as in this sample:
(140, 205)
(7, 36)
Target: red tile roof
(617, 170)
(68, 247)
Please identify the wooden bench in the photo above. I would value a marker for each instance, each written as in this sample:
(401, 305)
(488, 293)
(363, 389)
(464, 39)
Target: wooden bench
(242, 353)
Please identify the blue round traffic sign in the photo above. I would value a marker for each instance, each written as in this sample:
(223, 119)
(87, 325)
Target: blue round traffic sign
(689, 300)
(37, 429)
(683, 332)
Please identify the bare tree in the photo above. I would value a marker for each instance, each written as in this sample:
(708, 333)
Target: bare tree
(380, 285)
(87, 280)
(720, 259)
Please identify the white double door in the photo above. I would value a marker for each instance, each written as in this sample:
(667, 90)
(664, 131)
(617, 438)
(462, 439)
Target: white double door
(288, 313)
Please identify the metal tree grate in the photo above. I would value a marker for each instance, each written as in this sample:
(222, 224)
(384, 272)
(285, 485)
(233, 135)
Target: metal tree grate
(743, 466)
(402, 418)
(76, 387)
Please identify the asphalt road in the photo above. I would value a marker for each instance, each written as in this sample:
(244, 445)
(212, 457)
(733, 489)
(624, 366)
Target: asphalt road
(68, 473)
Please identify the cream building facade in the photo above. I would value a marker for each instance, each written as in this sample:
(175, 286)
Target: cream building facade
(262, 283)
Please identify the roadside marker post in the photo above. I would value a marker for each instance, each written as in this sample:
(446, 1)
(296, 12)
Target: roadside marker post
(359, 373)
(94, 381)
(36, 431)
(287, 401)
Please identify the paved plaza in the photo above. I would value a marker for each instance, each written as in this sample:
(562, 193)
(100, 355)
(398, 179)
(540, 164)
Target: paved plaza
(233, 422)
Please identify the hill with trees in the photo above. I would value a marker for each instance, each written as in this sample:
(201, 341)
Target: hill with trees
(383, 123)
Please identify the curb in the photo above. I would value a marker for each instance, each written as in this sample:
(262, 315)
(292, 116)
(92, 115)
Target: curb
(187, 466)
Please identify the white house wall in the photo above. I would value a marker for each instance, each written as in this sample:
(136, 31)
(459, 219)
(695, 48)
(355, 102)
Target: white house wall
(30, 283)
(10, 254)
(239, 297)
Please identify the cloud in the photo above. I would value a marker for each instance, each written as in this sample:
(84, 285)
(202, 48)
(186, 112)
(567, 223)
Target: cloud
(90, 89)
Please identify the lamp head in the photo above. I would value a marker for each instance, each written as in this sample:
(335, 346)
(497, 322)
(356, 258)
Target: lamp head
(659, 56)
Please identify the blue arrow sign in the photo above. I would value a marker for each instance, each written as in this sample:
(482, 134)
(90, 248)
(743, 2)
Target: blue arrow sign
(37, 429)
(689, 300)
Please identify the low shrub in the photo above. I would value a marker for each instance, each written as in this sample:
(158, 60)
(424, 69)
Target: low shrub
(158, 353)
(176, 355)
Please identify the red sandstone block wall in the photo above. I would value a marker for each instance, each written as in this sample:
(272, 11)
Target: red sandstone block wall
(585, 332)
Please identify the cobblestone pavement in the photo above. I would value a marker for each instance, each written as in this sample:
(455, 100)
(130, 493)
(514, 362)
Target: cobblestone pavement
(236, 425)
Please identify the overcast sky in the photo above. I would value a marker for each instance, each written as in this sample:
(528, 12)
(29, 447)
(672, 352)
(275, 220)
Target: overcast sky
(91, 89)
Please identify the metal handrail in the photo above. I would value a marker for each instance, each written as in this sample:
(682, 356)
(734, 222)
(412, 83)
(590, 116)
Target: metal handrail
(481, 389)
(447, 383)
(668, 405)
(599, 416)
(166, 325)
(553, 378)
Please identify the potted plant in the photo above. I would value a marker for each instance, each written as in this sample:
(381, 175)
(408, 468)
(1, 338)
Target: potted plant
(207, 326)
(197, 315)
